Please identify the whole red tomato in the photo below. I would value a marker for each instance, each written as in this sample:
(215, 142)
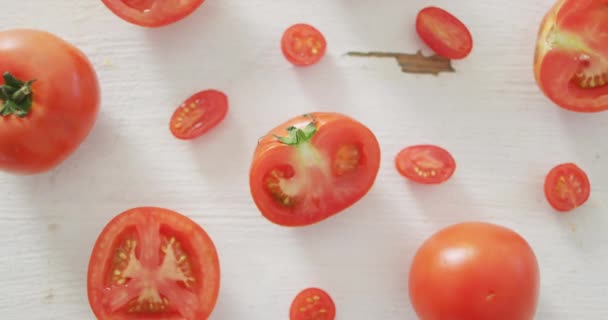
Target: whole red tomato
(50, 100)
(474, 271)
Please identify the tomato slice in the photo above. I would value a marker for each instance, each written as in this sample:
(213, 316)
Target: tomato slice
(153, 263)
(571, 58)
(311, 167)
(312, 304)
(567, 187)
(426, 164)
(152, 13)
(444, 33)
(303, 45)
(200, 113)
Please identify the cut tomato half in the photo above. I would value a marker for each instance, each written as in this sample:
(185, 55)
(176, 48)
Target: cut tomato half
(312, 304)
(567, 187)
(303, 45)
(153, 263)
(152, 13)
(311, 167)
(200, 113)
(426, 164)
(444, 33)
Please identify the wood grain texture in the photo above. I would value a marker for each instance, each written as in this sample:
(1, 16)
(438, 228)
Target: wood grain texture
(503, 132)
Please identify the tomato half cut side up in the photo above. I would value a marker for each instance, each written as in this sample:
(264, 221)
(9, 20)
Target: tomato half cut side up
(200, 113)
(426, 164)
(152, 13)
(567, 187)
(153, 263)
(303, 45)
(312, 167)
(571, 58)
(444, 33)
(312, 304)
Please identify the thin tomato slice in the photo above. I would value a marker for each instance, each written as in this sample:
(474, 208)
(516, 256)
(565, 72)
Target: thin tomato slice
(426, 164)
(567, 187)
(198, 114)
(153, 263)
(444, 33)
(303, 45)
(312, 304)
(152, 13)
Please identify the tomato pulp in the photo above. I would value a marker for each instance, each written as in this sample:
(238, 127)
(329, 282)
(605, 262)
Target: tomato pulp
(474, 271)
(444, 33)
(426, 164)
(200, 113)
(153, 263)
(303, 45)
(313, 166)
(49, 97)
(152, 13)
(312, 304)
(567, 187)
(571, 58)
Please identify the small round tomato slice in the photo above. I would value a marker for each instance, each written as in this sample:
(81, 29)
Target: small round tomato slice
(200, 113)
(444, 33)
(427, 164)
(152, 13)
(567, 187)
(312, 304)
(303, 44)
(153, 263)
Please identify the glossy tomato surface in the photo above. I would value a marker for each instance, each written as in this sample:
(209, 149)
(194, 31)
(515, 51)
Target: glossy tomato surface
(49, 105)
(474, 271)
(303, 45)
(153, 263)
(312, 304)
(444, 33)
(313, 166)
(571, 60)
(426, 164)
(200, 113)
(152, 13)
(567, 187)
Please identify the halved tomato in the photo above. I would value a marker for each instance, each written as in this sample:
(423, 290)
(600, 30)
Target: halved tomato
(153, 263)
(567, 187)
(152, 13)
(312, 304)
(200, 113)
(444, 33)
(427, 164)
(312, 167)
(571, 58)
(303, 45)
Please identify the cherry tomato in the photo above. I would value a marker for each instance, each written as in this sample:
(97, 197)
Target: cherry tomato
(571, 59)
(312, 304)
(153, 263)
(49, 100)
(427, 164)
(311, 167)
(303, 45)
(567, 187)
(152, 13)
(200, 113)
(474, 271)
(444, 33)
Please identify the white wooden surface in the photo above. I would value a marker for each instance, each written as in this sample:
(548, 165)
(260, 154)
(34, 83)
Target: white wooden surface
(504, 134)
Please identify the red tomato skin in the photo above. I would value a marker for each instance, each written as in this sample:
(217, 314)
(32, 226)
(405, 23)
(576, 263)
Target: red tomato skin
(550, 181)
(432, 17)
(291, 56)
(66, 98)
(216, 107)
(449, 162)
(154, 18)
(474, 271)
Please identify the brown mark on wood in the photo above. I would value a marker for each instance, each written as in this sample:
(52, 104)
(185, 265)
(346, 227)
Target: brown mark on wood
(412, 63)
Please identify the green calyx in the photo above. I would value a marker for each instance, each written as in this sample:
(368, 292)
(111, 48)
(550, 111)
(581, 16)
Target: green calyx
(297, 136)
(16, 96)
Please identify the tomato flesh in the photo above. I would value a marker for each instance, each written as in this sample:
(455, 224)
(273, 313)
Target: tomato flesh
(312, 304)
(152, 13)
(303, 45)
(153, 263)
(200, 113)
(426, 164)
(567, 187)
(444, 33)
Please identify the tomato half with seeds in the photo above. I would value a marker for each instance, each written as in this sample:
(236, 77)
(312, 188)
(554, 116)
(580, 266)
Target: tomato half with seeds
(444, 33)
(303, 45)
(426, 164)
(153, 263)
(152, 13)
(200, 113)
(313, 166)
(567, 187)
(571, 58)
(312, 304)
